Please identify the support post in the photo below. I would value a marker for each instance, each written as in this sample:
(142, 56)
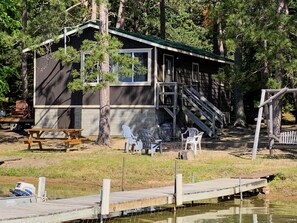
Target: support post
(271, 130)
(123, 173)
(178, 189)
(258, 127)
(174, 111)
(240, 191)
(105, 197)
(41, 194)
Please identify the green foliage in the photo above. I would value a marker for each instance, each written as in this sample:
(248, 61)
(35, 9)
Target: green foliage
(249, 23)
(6, 72)
(262, 40)
(68, 55)
(9, 16)
(272, 83)
(181, 28)
(9, 54)
(46, 19)
(184, 20)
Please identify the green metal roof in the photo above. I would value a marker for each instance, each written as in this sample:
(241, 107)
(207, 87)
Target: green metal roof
(175, 45)
(152, 40)
(165, 43)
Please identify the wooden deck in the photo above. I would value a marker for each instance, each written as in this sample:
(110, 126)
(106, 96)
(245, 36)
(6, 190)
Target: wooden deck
(88, 207)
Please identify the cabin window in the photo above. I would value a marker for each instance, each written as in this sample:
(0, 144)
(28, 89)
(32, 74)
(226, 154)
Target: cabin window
(195, 72)
(144, 56)
(90, 74)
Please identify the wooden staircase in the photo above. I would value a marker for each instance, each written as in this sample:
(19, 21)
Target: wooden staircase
(193, 102)
(194, 105)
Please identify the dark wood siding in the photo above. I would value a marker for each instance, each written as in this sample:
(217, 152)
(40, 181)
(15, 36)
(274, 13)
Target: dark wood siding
(51, 85)
(52, 79)
(211, 88)
(136, 95)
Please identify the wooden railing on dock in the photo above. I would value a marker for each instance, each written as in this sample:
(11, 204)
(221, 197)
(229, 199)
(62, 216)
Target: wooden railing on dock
(88, 207)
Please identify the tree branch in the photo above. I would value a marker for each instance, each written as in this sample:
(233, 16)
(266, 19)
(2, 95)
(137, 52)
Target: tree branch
(71, 7)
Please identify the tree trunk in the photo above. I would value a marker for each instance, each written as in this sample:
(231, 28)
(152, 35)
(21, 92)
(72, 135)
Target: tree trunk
(295, 104)
(25, 91)
(277, 107)
(24, 72)
(239, 107)
(94, 10)
(238, 96)
(218, 42)
(162, 20)
(277, 116)
(121, 15)
(104, 93)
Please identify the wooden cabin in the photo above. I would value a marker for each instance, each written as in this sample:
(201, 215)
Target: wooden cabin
(178, 87)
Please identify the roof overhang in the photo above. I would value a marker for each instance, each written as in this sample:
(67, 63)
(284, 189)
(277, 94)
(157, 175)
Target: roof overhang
(167, 47)
(67, 33)
(95, 25)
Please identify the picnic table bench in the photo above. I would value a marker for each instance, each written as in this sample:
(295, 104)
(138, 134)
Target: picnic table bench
(42, 135)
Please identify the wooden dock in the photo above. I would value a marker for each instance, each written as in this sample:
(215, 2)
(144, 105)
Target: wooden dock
(88, 207)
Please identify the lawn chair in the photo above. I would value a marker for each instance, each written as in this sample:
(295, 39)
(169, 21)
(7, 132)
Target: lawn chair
(149, 142)
(190, 132)
(131, 140)
(194, 141)
(20, 110)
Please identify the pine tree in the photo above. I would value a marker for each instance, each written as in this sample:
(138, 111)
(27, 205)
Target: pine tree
(264, 33)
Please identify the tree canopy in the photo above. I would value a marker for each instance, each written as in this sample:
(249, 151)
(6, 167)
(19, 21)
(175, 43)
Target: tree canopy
(260, 35)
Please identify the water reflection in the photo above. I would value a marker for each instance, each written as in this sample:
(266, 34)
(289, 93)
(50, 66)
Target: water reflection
(249, 211)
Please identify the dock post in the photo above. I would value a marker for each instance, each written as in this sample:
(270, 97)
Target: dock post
(105, 197)
(179, 189)
(123, 173)
(41, 194)
(193, 178)
(240, 191)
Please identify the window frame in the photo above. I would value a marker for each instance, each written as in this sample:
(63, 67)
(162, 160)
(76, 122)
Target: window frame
(82, 65)
(195, 77)
(164, 65)
(149, 67)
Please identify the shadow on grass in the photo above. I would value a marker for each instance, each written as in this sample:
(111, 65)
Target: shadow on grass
(276, 154)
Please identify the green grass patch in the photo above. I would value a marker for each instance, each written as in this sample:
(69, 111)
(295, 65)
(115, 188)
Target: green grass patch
(82, 172)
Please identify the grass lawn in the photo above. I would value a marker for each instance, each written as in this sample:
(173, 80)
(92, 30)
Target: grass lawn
(81, 172)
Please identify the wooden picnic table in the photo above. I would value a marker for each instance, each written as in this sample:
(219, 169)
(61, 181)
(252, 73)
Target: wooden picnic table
(40, 135)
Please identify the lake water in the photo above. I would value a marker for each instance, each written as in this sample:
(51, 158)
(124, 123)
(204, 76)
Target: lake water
(251, 210)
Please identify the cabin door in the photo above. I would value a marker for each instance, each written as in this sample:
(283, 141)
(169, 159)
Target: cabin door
(168, 68)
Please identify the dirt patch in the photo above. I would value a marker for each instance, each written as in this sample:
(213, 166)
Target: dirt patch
(27, 162)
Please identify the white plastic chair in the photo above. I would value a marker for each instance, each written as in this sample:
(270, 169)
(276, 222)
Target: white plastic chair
(190, 132)
(131, 139)
(194, 141)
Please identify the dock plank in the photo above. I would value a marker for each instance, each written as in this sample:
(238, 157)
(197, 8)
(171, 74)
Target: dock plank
(88, 207)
